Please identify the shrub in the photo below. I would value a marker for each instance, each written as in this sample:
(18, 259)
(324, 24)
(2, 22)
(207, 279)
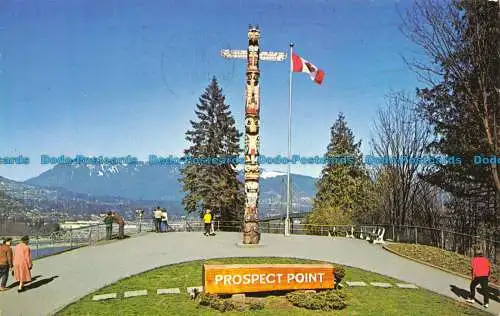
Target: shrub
(326, 300)
(256, 306)
(217, 303)
(206, 300)
(226, 304)
(339, 273)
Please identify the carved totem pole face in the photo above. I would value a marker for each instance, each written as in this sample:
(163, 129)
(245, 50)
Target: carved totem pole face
(251, 214)
(252, 104)
(253, 78)
(251, 187)
(252, 125)
(252, 147)
(251, 199)
(253, 36)
(253, 60)
(251, 171)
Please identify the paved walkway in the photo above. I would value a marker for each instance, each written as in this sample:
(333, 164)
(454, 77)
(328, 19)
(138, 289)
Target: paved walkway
(72, 275)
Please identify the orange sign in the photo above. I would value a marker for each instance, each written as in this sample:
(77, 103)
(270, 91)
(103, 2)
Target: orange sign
(247, 278)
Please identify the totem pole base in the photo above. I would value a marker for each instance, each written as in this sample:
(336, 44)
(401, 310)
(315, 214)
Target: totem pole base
(242, 245)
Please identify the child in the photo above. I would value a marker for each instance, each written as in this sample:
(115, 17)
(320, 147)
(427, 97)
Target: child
(207, 220)
(481, 268)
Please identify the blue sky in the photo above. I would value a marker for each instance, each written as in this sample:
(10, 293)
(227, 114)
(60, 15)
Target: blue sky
(117, 78)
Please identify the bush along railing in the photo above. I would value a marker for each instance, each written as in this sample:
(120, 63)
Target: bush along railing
(445, 239)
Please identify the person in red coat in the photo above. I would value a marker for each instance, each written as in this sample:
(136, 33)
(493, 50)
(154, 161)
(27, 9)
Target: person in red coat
(22, 263)
(481, 269)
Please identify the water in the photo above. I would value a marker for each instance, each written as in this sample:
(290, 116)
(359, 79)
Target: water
(42, 252)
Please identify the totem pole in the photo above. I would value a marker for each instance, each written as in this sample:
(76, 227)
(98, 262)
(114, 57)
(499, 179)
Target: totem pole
(251, 234)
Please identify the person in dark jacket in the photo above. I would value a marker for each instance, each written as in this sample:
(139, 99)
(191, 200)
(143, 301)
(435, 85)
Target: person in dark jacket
(108, 220)
(6, 262)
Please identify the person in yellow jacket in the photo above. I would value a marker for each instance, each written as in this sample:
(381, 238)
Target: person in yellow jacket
(207, 220)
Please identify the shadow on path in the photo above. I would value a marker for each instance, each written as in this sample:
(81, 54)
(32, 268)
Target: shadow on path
(493, 293)
(15, 284)
(39, 283)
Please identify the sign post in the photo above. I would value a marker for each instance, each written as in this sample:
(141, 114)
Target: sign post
(248, 278)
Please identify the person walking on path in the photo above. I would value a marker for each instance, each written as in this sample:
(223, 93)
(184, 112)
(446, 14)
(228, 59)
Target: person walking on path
(5, 262)
(22, 263)
(121, 225)
(481, 269)
(164, 220)
(207, 220)
(108, 220)
(157, 218)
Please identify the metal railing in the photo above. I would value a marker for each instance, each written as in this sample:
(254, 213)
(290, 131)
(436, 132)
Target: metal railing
(448, 240)
(43, 245)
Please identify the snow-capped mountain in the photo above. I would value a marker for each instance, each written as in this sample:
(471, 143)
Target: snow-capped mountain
(271, 174)
(160, 182)
(134, 181)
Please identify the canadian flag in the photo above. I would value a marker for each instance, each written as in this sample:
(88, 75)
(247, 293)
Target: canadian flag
(299, 64)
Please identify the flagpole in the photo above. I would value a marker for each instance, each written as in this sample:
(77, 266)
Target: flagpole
(287, 221)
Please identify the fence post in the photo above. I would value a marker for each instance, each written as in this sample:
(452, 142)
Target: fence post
(416, 237)
(492, 243)
(442, 239)
(71, 238)
(36, 247)
(321, 230)
(393, 234)
(90, 234)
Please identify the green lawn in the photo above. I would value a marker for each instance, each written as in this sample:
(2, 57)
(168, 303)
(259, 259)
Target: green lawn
(441, 258)
(363, 301)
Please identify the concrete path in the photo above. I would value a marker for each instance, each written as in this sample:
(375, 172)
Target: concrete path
(69, 276)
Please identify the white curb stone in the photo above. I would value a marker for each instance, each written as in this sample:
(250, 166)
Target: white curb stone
(168, 291)
(406, 286)
(135, 293)
(379, 284)
(356, 283)
(103, 297)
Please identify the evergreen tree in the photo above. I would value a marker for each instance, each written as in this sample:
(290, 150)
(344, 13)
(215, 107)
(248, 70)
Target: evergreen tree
(461, 38)
(343, 180)
(210, 178)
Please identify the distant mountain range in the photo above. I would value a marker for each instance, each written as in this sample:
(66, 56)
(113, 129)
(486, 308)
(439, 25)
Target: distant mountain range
(84, 189)
(19, 198)
(146, 182)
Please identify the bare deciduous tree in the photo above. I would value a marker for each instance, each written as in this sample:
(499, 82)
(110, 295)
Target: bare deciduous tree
(401, 138)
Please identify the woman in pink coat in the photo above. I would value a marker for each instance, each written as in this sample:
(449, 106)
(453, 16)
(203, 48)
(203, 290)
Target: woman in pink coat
(22, 263)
